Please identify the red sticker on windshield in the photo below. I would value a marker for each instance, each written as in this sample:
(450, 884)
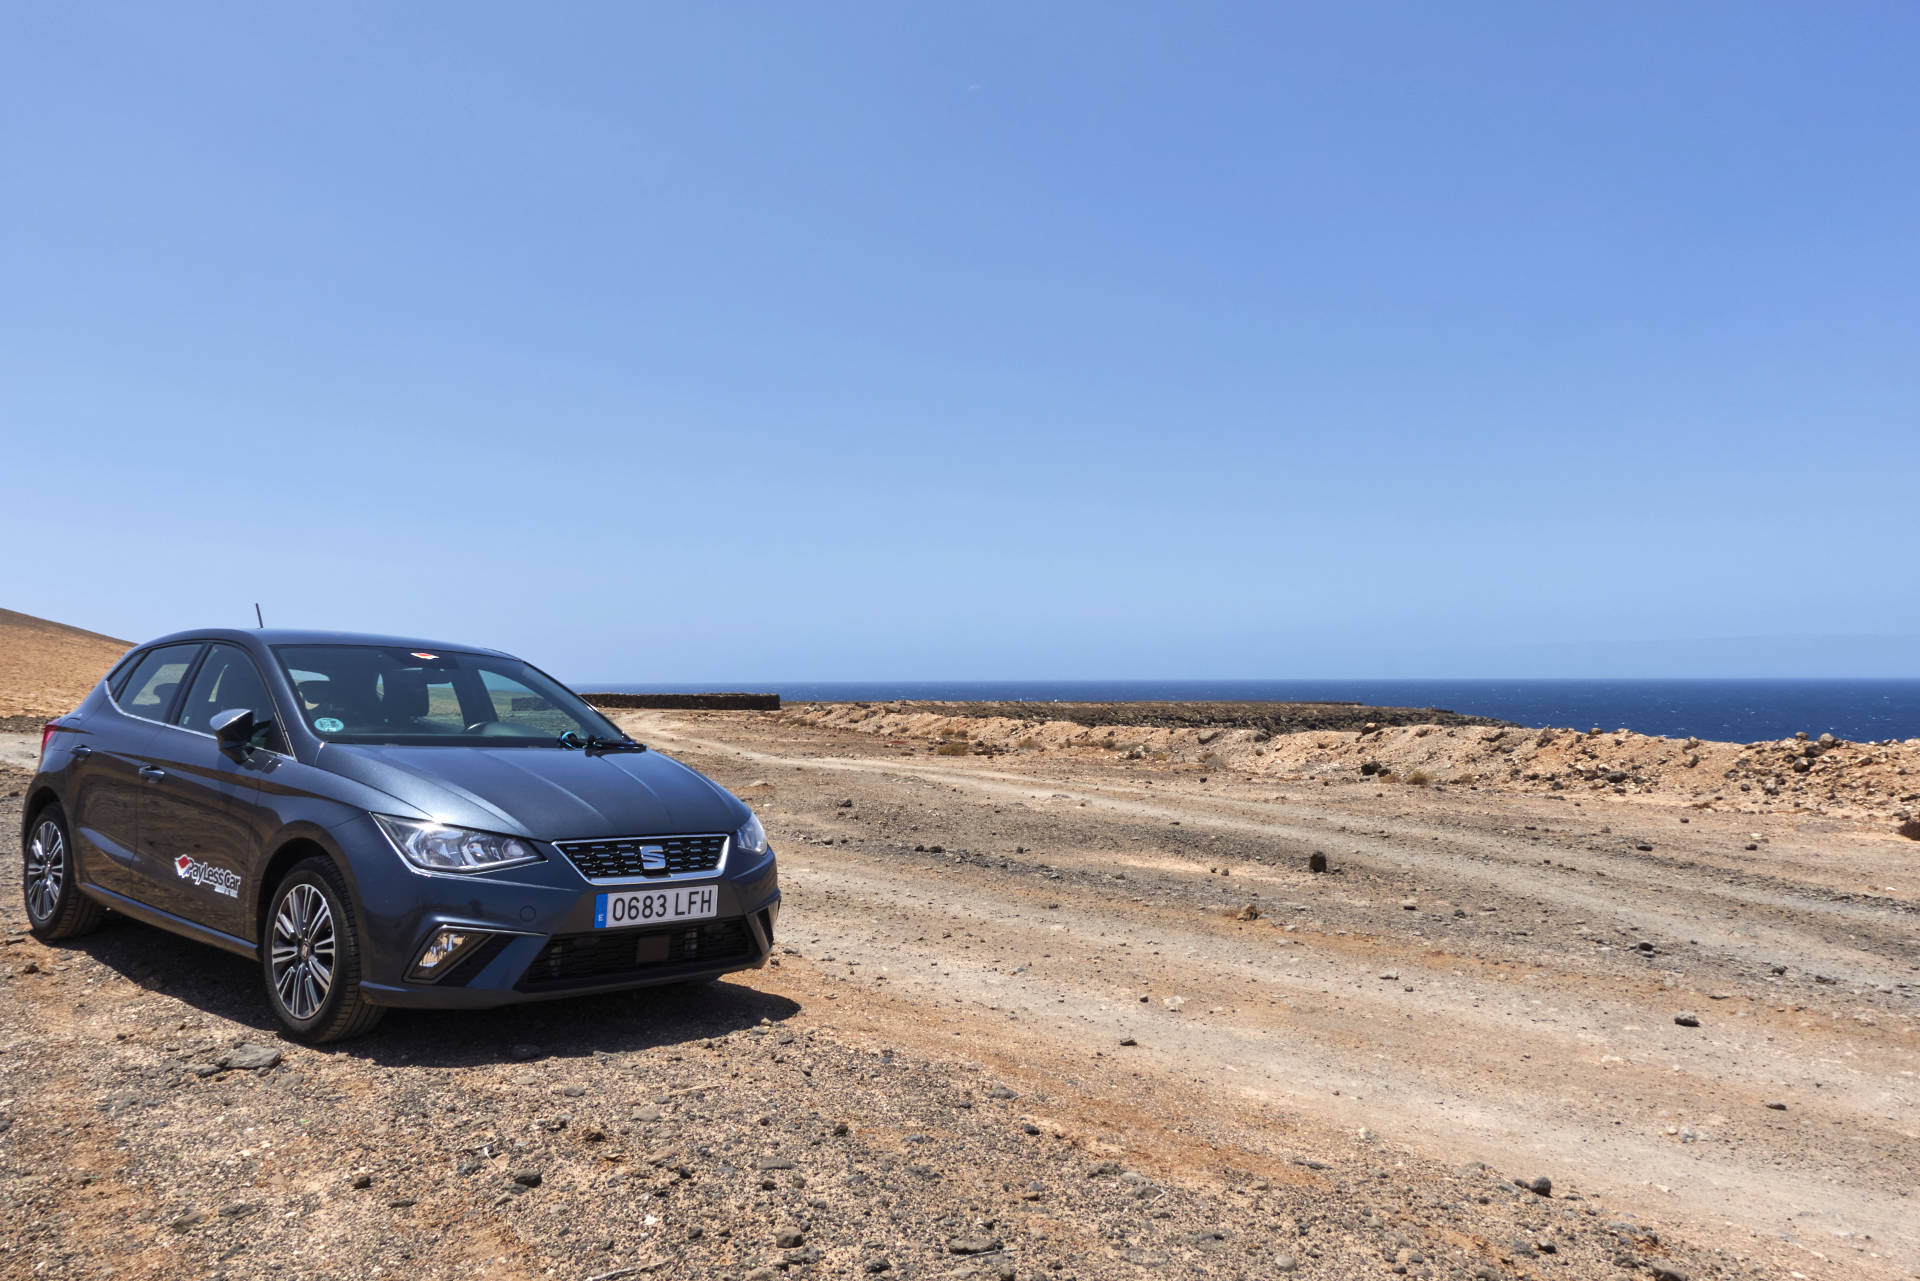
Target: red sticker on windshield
(423, 656)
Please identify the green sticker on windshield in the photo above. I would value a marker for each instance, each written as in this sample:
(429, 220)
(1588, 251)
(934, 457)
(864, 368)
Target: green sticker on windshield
(328, 725)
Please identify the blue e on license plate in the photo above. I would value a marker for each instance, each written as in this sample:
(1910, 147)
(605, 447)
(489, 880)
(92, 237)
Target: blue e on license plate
(654, 907)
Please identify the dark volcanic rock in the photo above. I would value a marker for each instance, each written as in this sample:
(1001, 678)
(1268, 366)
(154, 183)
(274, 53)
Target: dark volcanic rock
(250, 1058)
(1271, 718)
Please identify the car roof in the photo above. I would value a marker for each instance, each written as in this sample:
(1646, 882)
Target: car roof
(261, 636)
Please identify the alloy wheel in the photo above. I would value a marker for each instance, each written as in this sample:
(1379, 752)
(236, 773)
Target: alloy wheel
(303, 950)
(46, 870)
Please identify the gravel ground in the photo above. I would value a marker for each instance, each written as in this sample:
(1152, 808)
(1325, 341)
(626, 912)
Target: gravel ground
(1100, 1023)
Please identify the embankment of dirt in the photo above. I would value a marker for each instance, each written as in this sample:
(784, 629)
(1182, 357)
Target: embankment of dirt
(1874, 783)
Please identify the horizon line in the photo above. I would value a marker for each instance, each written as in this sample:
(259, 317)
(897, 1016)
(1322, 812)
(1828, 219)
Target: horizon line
(1232, 680)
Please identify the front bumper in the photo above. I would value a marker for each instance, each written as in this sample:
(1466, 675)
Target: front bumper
(541, 941)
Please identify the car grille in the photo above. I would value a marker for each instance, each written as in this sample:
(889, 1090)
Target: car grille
(611, 860)
(601, 956)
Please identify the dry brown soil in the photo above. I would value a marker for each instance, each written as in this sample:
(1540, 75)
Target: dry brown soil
(46, 668)
(1089, 1016)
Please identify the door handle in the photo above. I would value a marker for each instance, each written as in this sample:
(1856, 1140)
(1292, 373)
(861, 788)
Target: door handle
(81, 752)
(152, 773)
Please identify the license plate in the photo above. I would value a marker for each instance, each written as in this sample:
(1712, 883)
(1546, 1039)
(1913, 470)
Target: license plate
(627, 909)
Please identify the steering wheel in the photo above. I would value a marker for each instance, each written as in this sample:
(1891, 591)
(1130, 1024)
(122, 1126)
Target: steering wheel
(499, 729)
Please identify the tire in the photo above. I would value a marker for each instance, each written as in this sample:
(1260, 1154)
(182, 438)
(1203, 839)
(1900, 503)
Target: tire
(309, 922)
(56, 909)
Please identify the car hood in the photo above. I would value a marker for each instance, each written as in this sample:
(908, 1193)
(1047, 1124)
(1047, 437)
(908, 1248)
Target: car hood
(542, 792)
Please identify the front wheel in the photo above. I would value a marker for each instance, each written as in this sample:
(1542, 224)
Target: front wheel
(56, 909)
(310, 957)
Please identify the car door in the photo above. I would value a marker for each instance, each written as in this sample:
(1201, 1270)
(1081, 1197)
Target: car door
(110, 774)
(199, 830)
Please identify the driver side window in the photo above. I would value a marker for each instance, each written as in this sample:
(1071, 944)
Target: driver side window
(228, 679)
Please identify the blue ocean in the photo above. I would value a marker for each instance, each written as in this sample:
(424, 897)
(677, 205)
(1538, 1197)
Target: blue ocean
(1731, 710)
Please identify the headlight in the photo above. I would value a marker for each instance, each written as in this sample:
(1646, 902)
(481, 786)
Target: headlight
(437, 848)
(751, 839)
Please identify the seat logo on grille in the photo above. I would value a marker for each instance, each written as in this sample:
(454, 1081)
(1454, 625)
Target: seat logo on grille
(653, 858)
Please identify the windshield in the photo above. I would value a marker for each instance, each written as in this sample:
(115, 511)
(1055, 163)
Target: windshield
(377, 694)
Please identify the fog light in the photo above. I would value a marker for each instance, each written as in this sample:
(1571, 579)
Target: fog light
(447, 943)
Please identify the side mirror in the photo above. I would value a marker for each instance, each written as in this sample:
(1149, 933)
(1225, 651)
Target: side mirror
(233, 727)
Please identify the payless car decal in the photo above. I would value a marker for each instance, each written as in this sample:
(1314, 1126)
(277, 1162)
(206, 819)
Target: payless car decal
(218, 879)
(329, 725)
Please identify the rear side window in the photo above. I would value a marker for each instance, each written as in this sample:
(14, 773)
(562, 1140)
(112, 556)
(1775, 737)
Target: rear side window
(150, 689)
(122, 671)
(228, 679)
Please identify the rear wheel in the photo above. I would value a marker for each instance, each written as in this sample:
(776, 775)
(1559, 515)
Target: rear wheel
(56, 909)
(310, 956)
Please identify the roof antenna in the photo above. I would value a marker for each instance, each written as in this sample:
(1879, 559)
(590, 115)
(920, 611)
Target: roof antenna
(257, 620)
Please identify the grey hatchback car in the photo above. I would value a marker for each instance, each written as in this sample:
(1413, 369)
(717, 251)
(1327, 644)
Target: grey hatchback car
(388, 822)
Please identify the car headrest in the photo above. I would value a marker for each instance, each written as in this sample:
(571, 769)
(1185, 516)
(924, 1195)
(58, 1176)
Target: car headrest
(404, 695)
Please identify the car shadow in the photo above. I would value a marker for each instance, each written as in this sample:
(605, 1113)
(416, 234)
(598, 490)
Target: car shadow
(229, 987)
(569, 1027)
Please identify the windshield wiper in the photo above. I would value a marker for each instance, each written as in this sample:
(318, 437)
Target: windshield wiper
(596, 744)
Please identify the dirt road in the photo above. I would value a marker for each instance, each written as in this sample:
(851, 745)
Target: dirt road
(1028, 1026)
(1483, 976)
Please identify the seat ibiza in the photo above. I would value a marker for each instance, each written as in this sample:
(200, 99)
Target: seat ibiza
(388, 822)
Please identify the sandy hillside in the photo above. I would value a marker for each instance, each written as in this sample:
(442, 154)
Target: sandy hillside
(46, 668)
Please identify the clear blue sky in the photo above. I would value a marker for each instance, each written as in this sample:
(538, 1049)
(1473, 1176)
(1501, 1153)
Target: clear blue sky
(736, 342)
